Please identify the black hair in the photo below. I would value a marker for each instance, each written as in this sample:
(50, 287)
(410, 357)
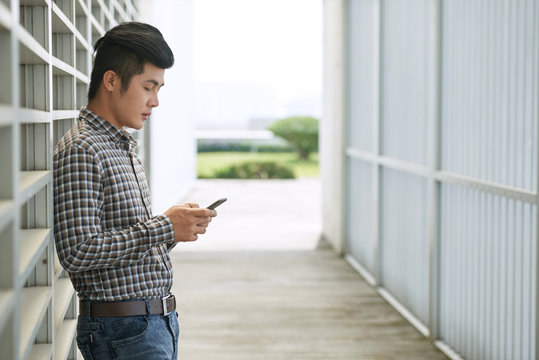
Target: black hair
(124, 49)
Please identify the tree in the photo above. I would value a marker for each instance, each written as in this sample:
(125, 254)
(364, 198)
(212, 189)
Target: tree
(300, 131)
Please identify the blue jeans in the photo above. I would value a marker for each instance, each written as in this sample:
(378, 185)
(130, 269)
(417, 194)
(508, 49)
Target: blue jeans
(144, 337)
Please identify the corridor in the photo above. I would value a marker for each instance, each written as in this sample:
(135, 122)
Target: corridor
(254, 297)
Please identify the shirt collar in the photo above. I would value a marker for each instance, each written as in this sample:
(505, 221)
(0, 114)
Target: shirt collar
(100, 124)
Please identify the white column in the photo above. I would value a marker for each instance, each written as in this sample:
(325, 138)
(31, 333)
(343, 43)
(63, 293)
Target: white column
(332, 140)
(170, 144)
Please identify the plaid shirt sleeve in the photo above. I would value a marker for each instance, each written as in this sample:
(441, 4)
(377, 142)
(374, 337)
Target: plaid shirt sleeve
(82, 243)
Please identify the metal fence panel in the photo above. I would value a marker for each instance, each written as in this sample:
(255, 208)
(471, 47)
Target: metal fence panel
(360, 226)
(475, 235)
(487, 270)
(403, 240)
(489, 94)
(362, 105)
(405, 81)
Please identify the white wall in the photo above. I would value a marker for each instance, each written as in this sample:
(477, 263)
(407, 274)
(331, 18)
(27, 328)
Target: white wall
(172, 150)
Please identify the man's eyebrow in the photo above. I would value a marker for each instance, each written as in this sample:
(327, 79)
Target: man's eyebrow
(155, 82)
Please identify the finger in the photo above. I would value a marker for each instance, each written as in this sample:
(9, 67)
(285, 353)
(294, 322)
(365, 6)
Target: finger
(201, 212)
(192, 205)
(181, 206)
(200, 229)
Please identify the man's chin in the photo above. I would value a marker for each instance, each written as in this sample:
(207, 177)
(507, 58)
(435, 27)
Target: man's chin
(137, 126)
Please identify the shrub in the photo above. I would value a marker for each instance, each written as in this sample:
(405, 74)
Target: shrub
(222, 145)
(300, 131)
(240, 146)
(255, 170)
(273, 149)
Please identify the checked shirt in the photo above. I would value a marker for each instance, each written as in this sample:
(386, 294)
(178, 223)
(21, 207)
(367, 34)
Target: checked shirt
(105, 234)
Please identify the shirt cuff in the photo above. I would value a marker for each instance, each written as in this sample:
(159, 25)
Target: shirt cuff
(161, 229)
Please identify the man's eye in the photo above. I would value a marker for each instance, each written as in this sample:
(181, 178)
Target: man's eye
(147, 89)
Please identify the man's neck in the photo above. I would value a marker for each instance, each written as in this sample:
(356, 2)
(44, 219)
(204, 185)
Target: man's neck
(98, 108)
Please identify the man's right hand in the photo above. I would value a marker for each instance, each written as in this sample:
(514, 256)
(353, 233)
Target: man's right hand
(189, 220)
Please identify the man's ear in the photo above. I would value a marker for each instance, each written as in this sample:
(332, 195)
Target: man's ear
(111, 80)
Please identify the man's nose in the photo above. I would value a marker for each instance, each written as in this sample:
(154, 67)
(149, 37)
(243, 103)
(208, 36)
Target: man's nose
(154, 101)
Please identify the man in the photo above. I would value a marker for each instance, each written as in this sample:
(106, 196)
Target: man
(114, 249)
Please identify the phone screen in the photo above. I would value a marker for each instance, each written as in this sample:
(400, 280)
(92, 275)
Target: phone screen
(216, 203)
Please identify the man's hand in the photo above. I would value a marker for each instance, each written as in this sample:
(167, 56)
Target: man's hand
(189, 220)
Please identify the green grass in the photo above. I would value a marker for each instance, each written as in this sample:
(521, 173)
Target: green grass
(208, 162)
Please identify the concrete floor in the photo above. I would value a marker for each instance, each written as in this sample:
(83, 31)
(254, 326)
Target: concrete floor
(252, 289)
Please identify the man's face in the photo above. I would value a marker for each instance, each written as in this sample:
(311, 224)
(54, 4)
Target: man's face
(134, 106)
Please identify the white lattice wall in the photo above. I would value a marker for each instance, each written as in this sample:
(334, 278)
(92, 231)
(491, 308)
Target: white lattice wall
(45, 64)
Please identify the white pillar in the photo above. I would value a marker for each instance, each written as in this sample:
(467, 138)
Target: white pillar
(172, 150)
(332, 140)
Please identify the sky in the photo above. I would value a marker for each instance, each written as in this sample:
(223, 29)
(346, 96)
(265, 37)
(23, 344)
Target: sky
(256, 59)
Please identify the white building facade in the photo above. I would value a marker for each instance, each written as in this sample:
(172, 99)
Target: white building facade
(429, 155)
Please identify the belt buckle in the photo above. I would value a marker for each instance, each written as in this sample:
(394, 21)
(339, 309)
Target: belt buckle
(165, 307)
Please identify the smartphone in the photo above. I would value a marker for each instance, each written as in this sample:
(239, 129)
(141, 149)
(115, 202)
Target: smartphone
(217, 203)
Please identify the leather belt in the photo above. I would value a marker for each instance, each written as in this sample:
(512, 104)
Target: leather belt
(162, 306)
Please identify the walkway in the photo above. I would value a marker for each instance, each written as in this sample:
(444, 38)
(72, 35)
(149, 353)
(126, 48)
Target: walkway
(260, 215)
(292, 300)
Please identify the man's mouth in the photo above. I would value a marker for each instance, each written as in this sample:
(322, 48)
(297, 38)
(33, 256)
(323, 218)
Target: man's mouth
(146, 115)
